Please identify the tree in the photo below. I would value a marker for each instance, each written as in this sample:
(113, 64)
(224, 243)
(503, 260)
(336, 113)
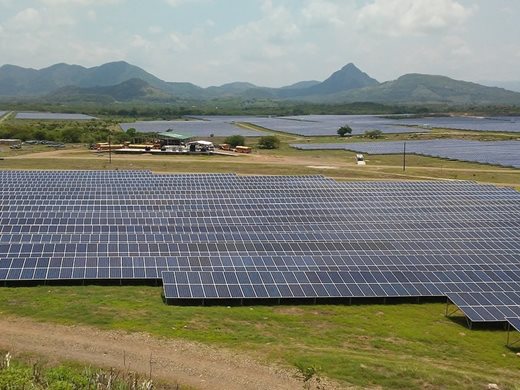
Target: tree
(373, 133)
(343, 130)
(235, 140)
(269, 142)
(71, 135)
(39, 135)
(131, 132)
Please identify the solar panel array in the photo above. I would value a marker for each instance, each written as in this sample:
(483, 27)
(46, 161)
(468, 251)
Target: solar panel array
(2, 113)
(310, 125)
(505, 153)
(52, 116)
(498, 123)
(223, 236)
(219, 127)
(322, 125)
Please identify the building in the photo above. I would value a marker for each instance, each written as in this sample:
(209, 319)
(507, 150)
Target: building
(170, 138)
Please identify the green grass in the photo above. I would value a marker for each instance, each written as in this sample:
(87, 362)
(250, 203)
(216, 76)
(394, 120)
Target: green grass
(24, 372)
(409, 346)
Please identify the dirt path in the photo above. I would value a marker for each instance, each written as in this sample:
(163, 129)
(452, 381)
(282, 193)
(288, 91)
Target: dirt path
(79, 154)
(173, 361)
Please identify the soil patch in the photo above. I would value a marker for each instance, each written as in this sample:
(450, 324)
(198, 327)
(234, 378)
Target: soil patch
(173, 361)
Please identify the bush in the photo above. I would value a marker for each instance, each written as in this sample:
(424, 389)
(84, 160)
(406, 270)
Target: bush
(235, 140)
(344, 130)
(373, 133)
(269, 142)
(15, 377)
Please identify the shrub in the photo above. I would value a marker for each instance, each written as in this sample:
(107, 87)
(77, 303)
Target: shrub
(235, 140)
(373, 133)
(269, 142)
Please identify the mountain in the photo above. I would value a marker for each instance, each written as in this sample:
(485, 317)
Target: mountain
(302, 84)
(17, 81)
(347, 78)
(121, 81)
(426, 89)
(230, 89)
(510, 85)
(129, 90)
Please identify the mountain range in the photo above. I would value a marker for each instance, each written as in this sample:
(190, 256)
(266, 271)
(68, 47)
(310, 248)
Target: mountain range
(121, 81)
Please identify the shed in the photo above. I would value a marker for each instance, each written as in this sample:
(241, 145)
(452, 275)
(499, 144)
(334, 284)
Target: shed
(170, 138)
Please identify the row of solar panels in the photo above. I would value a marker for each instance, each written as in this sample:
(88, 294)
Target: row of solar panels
(84, 226)
(487, 299)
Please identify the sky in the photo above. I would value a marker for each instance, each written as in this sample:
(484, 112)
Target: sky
(268, 42)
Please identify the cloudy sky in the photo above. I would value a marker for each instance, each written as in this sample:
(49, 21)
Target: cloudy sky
(268, 42)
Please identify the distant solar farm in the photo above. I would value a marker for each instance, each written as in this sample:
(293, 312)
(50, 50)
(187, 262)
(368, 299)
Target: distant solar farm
(2, 113)
(505, 153)
(323, 125)
(52, 116)
(224, 237)
(195, 128)
(505, 124)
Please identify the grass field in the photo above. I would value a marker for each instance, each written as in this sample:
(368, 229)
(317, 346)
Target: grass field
(396, 346)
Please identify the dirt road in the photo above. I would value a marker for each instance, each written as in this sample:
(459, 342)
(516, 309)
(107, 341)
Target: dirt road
(173, 361)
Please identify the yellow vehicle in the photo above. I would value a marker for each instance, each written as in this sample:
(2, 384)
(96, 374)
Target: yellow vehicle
(243, 149)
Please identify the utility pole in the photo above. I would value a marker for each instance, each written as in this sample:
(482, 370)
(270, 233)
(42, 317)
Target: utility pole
(109, 149)
(404, 156)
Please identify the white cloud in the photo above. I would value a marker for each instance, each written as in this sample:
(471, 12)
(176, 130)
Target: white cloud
(457, 46)
(92, 15)
(178, 42)
(323, 13)
(29, 19)
(61, 3)
(178, 3)
(139, 42)
(275, 27)
(402, 17)
(155, 29)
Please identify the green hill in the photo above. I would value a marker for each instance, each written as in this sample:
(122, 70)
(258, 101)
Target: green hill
(130, 90)
(427, 89)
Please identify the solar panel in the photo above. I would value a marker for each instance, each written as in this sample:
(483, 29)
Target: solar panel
(514, 322)
(491, 306)
(314, 125)
(371, 239)
(505, 153)
(194, 128)
(506, 124)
